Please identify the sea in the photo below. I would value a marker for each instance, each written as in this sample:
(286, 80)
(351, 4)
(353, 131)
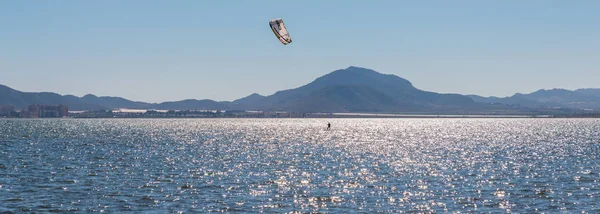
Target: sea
(367, 165)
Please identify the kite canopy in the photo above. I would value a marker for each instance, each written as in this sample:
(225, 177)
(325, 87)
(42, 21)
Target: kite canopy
(280, 31)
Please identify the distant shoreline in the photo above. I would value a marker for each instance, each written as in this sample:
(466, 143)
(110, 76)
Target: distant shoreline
(324, 116)
(141, 113)
(83, 118)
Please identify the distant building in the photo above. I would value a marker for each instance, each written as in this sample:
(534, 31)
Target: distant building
(46, 111)
(7, 110)
(63, 111)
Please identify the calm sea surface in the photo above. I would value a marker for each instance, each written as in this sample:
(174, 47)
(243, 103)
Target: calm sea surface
(296, 165)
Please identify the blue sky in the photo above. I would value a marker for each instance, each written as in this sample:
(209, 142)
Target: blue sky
(171, 50)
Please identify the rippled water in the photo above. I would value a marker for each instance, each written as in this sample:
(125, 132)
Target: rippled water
(289, 165)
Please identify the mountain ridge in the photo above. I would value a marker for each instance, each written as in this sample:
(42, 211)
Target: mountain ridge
(353, 89)
(587, 98)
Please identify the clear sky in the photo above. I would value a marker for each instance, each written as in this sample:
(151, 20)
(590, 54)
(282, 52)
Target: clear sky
(171, 50)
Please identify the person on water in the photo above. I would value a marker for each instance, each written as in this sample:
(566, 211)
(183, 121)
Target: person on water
(328, 126)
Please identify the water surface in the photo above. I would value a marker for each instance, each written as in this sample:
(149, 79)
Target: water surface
(296, 165)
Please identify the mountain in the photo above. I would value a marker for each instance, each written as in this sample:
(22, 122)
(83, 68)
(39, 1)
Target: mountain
(595, 92)
(191, 104)
(23, 99)
(578, 99)
(114, 102)
(246, 102)
(344, 98)
(92, 102)
(356, 89)
(353, 89)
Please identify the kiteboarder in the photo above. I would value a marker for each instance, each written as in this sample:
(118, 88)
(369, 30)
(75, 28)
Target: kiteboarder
(328, 126)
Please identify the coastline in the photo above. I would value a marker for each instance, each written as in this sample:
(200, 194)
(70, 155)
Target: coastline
(322, 115)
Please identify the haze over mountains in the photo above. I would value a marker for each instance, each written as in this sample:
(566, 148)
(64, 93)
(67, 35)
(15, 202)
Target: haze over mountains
(353, 89)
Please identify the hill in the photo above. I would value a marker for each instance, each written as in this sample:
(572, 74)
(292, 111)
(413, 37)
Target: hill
(353, 89)
(553, 98)
(21, 100)
(9, 96)
(356, 89)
